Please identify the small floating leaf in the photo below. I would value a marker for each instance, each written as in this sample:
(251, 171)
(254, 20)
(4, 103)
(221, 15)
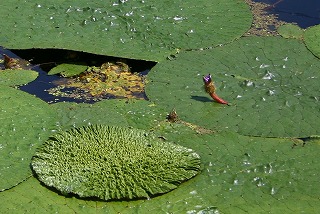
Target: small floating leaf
(68, 70)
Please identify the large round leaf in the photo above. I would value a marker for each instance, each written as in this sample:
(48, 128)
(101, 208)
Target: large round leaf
(138, 113)
(271, 83)
(146, 29)
(113, 162)
(26, 122)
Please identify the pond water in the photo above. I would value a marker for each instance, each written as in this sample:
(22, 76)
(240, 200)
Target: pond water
(304, 13)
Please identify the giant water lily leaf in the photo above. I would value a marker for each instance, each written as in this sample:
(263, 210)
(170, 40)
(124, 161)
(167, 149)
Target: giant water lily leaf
(272, 85)
(247, 174)
(17, 77)
(240, 174)
(26, 122)
(138, 113)
(148, 29)
(311, 38)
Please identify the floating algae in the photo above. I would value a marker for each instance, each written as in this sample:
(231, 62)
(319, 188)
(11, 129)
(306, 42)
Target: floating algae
(110, 80)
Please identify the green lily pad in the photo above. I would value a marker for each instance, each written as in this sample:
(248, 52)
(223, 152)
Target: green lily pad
(291, 31)
(311, 38)
(17, 77)
(138, 113)
(26, 122)
(68, 70)
(272, 85)
(240, 174)
(112, 162)
(150, 30)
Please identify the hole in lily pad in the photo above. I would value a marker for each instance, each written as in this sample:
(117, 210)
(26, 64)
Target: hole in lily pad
(83, 77)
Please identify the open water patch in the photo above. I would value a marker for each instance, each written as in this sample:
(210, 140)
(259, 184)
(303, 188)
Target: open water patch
(303, 13)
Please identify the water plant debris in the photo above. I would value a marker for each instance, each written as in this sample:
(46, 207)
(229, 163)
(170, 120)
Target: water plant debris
(14, 63)
(110, 80)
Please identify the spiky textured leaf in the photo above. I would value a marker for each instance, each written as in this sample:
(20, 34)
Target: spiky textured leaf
(111, 162)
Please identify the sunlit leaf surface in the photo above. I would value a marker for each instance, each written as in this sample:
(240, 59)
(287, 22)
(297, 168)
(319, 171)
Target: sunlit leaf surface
(137, 113)
(26, 122)
(17, 77)
(146, 29)
(113, 162)
(272, 85)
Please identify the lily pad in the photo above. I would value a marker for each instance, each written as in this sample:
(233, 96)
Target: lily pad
(111, 162)
(68, 70)
(17, 77)
(271, 83)
(26, 122)
(137, 113)
(149, 30)
(240, 174)
(291, 31)
(311, 38)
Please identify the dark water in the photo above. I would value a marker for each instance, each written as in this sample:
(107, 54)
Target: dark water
(305, 13)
